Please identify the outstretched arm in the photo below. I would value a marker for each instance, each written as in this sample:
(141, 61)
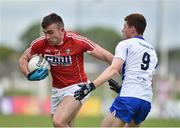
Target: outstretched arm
(109, 72)
(102, 54)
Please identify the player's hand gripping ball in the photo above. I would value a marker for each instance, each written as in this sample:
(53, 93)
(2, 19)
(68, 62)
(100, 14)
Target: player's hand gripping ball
(38, 67)
(38, 62)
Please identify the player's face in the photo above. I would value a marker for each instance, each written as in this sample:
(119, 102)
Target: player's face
(54, 34)
(127, 31)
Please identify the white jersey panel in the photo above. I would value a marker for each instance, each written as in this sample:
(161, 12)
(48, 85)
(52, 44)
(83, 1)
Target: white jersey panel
(140, 62)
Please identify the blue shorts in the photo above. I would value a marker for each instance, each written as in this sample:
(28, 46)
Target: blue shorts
(130, 108)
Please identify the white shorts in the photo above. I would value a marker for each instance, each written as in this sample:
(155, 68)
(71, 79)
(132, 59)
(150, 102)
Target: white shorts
(58, 94)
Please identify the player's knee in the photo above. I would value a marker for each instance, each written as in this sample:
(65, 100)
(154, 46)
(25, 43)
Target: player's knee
(59, 123)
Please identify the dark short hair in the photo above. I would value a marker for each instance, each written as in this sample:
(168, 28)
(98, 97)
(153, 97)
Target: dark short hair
(52, 18)
(138, 21)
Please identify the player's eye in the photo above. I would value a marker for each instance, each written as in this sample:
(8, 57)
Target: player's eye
(50, 32)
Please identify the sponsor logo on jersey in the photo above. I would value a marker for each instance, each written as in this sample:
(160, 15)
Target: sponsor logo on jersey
(59, 60)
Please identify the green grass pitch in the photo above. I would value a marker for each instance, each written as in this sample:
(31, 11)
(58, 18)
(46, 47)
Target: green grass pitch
(45, 121)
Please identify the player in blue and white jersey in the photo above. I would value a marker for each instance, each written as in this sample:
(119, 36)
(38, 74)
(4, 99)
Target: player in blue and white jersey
(136, 60)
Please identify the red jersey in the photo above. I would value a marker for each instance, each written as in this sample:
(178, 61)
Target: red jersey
(66, 60)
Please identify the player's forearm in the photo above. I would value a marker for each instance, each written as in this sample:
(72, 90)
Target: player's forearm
(102, 54)
(23, 61)
(106, 75)
(23, 65)
(109, 58)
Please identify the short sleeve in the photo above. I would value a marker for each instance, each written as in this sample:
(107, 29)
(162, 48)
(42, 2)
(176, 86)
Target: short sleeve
(36, 47)
(121, 50)
(86, 44)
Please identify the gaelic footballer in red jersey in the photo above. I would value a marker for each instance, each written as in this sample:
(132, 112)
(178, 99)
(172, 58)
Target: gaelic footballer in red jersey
(64, 51)
(66, 59)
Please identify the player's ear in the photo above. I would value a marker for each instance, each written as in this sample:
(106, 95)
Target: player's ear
(133, 29)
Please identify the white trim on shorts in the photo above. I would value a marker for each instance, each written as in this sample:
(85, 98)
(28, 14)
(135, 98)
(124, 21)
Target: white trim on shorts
(58, 94)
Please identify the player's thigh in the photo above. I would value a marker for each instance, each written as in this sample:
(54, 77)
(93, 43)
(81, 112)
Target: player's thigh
(111, 121)
(67, 109)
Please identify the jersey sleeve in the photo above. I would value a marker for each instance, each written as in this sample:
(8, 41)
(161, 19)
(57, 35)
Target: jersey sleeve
(36, 47)
(86, 44)
(121, 50)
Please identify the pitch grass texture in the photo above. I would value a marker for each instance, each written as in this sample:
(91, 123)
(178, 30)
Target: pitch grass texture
(45, 121)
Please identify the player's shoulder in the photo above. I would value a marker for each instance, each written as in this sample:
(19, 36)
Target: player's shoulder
(79, 39)
(72, 35)
(140, 41)
(147, 45)
(75, 36)
(123, 43)
(126, 41)
(132, 40)
(38, 41)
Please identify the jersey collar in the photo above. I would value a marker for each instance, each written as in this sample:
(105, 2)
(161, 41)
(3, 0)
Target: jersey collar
(140, 37)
